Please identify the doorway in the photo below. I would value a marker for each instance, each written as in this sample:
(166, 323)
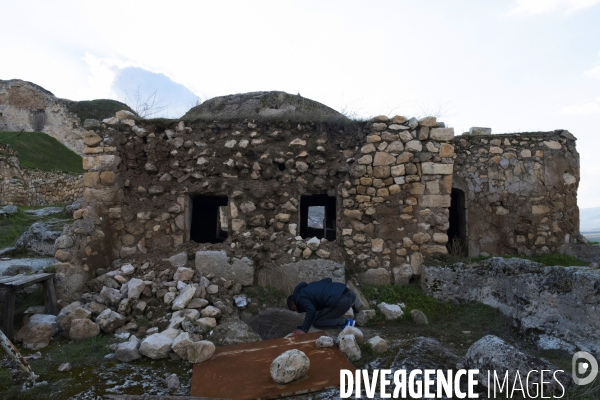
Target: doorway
(457, 230)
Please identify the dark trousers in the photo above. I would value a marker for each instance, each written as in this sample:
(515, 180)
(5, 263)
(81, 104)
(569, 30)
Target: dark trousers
(331, 317)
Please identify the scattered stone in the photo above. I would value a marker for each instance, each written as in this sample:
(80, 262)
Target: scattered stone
(128, 351)
(324, 341)
(240, 301)
(349, 347)
(127, 269)
(289, 366)
(419, 317)
(110, 320)
(183, 274)
(363, 316)
(390, 311)
(181, 343)
(81, 329)
(200, 351)
(156, 346)
(212, 312)
(172, 381)
(64, 367)
(378, 344)
(351, 330)
(185, 296)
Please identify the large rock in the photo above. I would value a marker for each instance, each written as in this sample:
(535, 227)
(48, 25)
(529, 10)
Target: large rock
(233, 331)
(490, 353)
(349, 347)
(363, 317)
(285, 277)
(179, 259)
(109, 320)
(219, 264)
(135, 287)
(274, 322)
(184, 297)
(181, 343)
(40, 238)
(128, 351)
(79, 313)
(156, 346)
(110, 296)
(262, 105)
(80, 329)
(390, 311)
(361, 301)
(200, 351)
(378, 344)
(324, 341)
(351, 330)
(38, 337)
(289, 366)
(560, 301)
(376, 276)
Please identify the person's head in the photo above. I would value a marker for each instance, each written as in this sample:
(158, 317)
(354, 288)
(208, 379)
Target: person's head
(291, 305)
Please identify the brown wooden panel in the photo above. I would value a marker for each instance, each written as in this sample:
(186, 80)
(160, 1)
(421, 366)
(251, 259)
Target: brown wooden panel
(243, 371)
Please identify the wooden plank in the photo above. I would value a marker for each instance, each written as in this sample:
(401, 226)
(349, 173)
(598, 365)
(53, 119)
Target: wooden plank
(243, 371)
(9, 314)
(50, 297)
(21, 281)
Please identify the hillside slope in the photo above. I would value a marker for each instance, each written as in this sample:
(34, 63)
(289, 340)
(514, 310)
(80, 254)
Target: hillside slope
(41, 151)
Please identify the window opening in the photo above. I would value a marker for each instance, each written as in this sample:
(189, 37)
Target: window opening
(318, 217)
(209, 219)
(457, 229)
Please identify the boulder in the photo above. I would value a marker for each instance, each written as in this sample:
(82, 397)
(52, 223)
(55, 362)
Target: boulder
(38, 337)
(135, 287)
(376, 276)
(200, 351)
(419, 317)
(289, 366)
(128, 351)
(378, 344)
(183, 274)
(84, 328)
(233, 331)
(110, 296)
(156, 346)
(361, 301)
(219, 264)
(490, 353)
(351, 330)
(349, 347)
(178, 260)
(390, 311)
(78, 313)
(212, 312)
(181, 343)
(40, 238)
(109, 320)
(185, 296)
(206, 324)
(324, 341)
(363, 316)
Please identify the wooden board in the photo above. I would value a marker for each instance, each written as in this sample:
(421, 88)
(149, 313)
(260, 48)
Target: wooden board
(243, 371)
(21, 281)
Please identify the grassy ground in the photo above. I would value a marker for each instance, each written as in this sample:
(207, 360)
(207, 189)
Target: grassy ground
(13, 226)
(41, 151)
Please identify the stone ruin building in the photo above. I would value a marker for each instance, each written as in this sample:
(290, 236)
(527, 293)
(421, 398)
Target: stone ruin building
(271, 189)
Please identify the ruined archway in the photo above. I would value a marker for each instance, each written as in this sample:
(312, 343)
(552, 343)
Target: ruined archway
(457, 230)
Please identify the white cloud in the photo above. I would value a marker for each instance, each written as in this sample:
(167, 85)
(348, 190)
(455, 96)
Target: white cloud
(534, 7)
(594, 72)
(591, 107)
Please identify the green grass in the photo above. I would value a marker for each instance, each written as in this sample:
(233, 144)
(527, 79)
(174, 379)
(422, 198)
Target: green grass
(562, 260)
(13, 226)
(97, 109)
(41, 151)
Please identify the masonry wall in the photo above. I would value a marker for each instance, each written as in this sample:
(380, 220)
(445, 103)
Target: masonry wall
(19, 100)
(520, 191)
(390, 181)
(35, 187)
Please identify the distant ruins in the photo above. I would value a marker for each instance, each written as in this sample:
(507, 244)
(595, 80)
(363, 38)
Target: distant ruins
(235, 194)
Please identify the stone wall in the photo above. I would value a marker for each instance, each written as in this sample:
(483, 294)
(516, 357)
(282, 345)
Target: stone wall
(20, 101)
(520, 191)
(35, 187)
(389, 182)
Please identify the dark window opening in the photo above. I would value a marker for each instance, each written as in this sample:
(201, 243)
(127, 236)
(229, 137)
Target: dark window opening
(209, 219)
(318, 217)
(457, 230)
(39, 119)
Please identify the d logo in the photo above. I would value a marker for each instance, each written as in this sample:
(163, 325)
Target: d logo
(583, 364)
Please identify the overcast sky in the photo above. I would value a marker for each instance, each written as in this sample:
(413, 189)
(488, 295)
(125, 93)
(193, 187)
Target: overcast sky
(512, 65)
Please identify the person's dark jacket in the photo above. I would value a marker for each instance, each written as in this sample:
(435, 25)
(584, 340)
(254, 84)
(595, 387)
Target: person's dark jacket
(316, 296)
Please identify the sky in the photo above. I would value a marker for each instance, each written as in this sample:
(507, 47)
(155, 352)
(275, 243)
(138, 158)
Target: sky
(512, 65)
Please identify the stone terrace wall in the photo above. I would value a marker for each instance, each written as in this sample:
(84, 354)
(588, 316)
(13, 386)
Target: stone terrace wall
(520, 189)
(35, 187)
(391, 180)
